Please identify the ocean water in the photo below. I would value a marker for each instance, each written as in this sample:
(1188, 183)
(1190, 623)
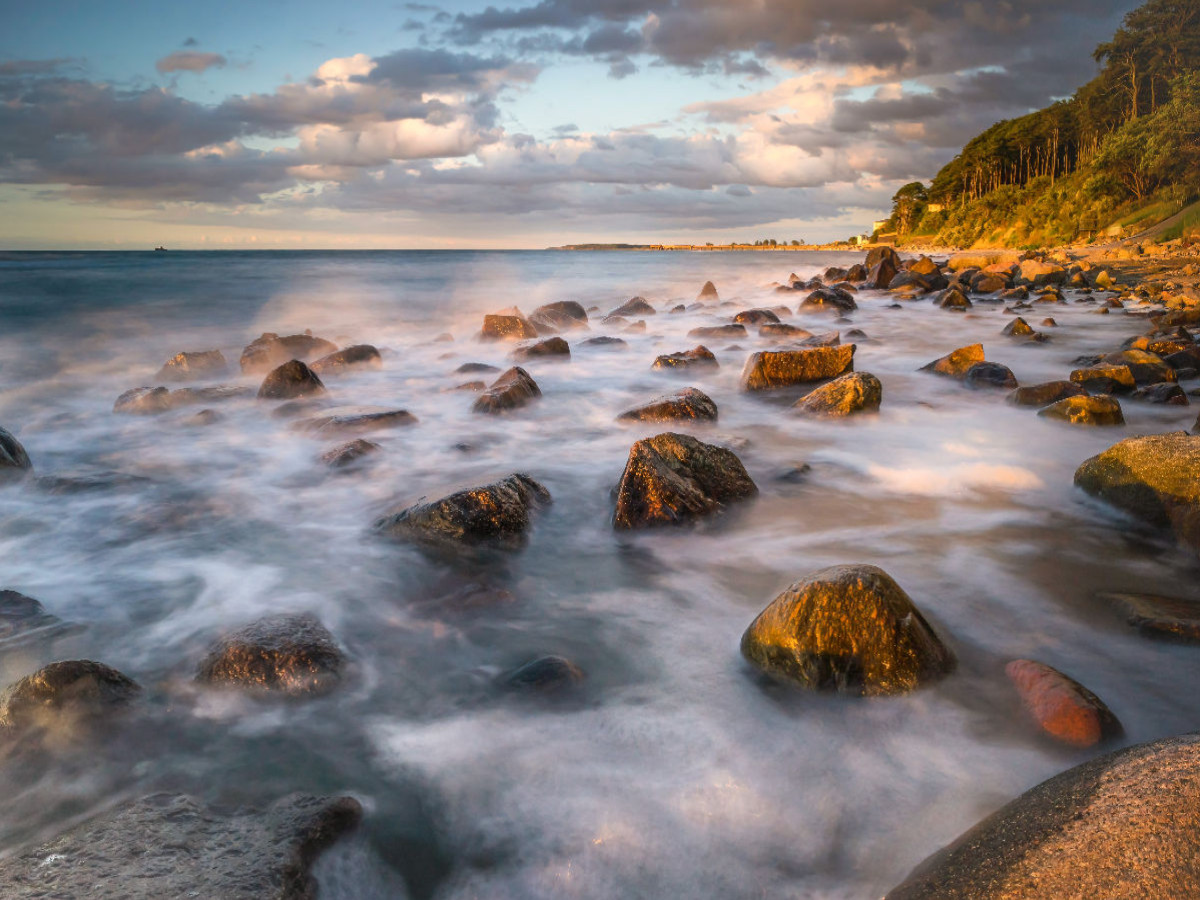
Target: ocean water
(673, 771)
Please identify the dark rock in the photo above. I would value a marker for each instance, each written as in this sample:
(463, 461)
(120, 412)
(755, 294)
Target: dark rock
(1061, 706)
(287, 654)
(218, 393)
(1018, 327)
(672, 479)
(605, 342)
(637, 306)
(360, 356)
(202, 418)
(718, 332)
(167, 846)
(88, 482)
(990, 375)
(144, 401)
(852, 393)
(677, 309)
(1169, 618)
(497, 514)
(1167, 392)
(291, 381)
(1105, 379)
(473, 386)
(349, 453)
(564, 315)
(512, 390)
(696, 358)
(63, 693)
(881, 275)
(1146, 367)
(958, 363)
(554, 347)
(1086, 410)
(507, 325)
(774, 330)
(876, 254)
(188, 366)
(824, 339)
(355, 420)
(270, 351)
(23, 619)
(1045, 394)
(988, 283)
(833, 275)
(769, 369)
(857, 273)
(829, 298)
(688, 404)
(952, 298)
(756, 317)
(547, 673)
(708, 292)
(850, 629)
(14, 461)
(1018, 294)
(797, 474)
(473, 368)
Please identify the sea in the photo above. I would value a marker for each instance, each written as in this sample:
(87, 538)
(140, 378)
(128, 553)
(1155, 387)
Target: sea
(673, 770)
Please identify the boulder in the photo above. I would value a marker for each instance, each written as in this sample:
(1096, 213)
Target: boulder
(1169, 618)
(553, 348)
(856, 274)
(958, 363)
(877, 254)
(637, 306)
(708, 293)
(512, 390)
(24, 619)
(144, 401)
(507, 325)
(769, 369)
(881, 275)
(828, 298)
(1146, 367)
(852, 393)
(990, 375)
(1154, 478)
(497, 514)
(988, 283)
(850, 629)
(62, 693)
(952, 298)
(285, 654)
(349, 453)
(168, 845)
(545, 674)
(924, 266)
(718, 332)
(1037, 273)
(14, 461)
(339, 420)
(476, 368)
(1018, 327)
(756, 317)
(564, 315)
(1166, 392)
(672, 479)
(773, 330)
(1085, 410)
(291, 381)
(696, 358)
(1061, 706)
(187, 366)
(269, 351)
(1044, 394)
(1105, 379)
(1122, 827)
(605, 341)
(688, 404)
(360, 356)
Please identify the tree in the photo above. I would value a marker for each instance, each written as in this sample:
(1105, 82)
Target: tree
(908, 205)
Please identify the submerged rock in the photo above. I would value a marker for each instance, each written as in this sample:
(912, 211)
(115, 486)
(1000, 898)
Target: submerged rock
(24, 619)
(269, 351)
(1018, 327)
(512, 390)
(1121, 827)
(689, 404)
(852, 393)
(355, 420)
(672, 479)
(756, 317)
(829, 298)
(173, 846)
(66, 692)
(546, 674)
(144, 401)
(779, 330)
(508, 325)
(555, 348)
(291, 381)
(636, 306)
(1046, 393)
(958, 363)
(497, 514)
(708, 292)
(696, 358)
(187, 366)
(563, 315)
(288, 654)
(990, 375)
(718, 331)
(475, 368)
(769, 369)
(1171, 618)
(850, 629)
(360, 356)
(1084, 410)
(1061, 706)
(349, 453)
(14, 461)
(605, 341)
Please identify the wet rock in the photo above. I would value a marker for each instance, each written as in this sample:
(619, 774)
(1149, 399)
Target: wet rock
(958, 363)
(827, 298)
(144, 401)
(474, 368)
(924, 266)
(1169, 618)
(988, 283)
(877, 254)
(14, 461)
(360, 356)
(718, 332)
(708, 293)
(850, 629)
(636, 306)
(286, 654)
(824, 339)
(218, 393)
(1044, 394)
(1018, 327)
(1085, 410)
(1061, 706)
(1016, 294)
(355, 420)
(293, 380)
(173, 846)
(774, 330)
(673, 479)
(1121, 827)
(1146, 367)
(349, 453)
(1037, 273)
(555, 348)
(952, 298)
(512, 390)
(269, 351)
(564, 315)
(1049, 323)
(857, 273)
(473, 386)
(688, 404)
(638, 327)
(696, 358)
(881, 274)
(853, 392)
(202, 419)
(1167, 392)
(24, 619)
(1154, 478)
(677, 309)
(89, 481)
(546, 674)
(990, 375)
(756, 317)
(187, 366)
(507, 325)
(605, 341)
(63, 693)
(769, 369)
(797, 474)
(1105, 379)
(497, 514)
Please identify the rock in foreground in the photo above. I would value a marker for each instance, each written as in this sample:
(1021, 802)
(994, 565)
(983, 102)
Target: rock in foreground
(690, 404)
(64, 692)
(672, 479)
(850, 629)
(769, 369)
(1121, 827)
(852, 393)
(288, 654)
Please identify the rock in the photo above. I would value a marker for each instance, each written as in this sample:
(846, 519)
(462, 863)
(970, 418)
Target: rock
(564, 315)
(497, 514)
(1105, 379)
(202, 419)
(769, 369)
(990, 375)
(988, 283)
(1044, 394)
(857, 273)
(173, 846)
(637, 306)
(756, 317)
(708, 292)
(287, 654)
(1037, 273)
(1049, 323)
(1102, 280)
(554, 348)
(958, 363)
(605, 341)
(63, 693)
(1146, 367)
(473, 386)
(826, 298)
(360, 356)
(797, 474)
(696, 358)
(1061, 706)
(688, 404)
(877, 254)
(1167, 392)
(718, 332)
(269, 351)
(507, 325)
(23, 619)
(14, 461)
(1018, 327)
(144, 401)
(952, 298)
(850, 629)
(881, 275)
(349, 453)
(672, 479)
(1154, 478)
(290, 381)
(188, 366)
(853, 392)
(512, 390)
(1121, 827)
(783, 331)
(218, 393)
(547, 674)
(1170, 618)
(924, 266)
(1085, 410)
(355, 420)
(474, 368)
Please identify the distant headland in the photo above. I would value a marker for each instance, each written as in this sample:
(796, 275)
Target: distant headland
(768, 246)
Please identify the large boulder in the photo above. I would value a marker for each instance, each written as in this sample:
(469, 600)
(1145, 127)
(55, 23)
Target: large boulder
(168, 845)
(990, 375)
(769, 369)
(270, 351)
(563, 315)
(62, 693)
(689, 404)
(636, 306)
(507, 325)
(1154, 478)
(14, 461)
(696, 358)
(756, 317)
(1106, 379)
(851, 393)
(1037, 273)
(829, 298)
(1061, 706)
(849, 629)
(881, 274)
(286, 654)
(958, 363)
(187, 366)
(550, 348)
(360, 356)
(1085, 410)
(512, 390)
(878, 254)
(672, 479)
(1121, 827)
(291, 381)
(1146, 367)
(497, 514)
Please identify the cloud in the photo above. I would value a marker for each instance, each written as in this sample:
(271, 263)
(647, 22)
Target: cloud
(190, 61)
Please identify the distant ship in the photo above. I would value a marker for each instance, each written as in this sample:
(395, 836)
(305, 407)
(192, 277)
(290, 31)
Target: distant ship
(160, 249)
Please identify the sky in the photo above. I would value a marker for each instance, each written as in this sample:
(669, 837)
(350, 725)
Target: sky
(302, 124)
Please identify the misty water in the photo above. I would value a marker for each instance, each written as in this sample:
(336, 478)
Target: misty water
(674, 771)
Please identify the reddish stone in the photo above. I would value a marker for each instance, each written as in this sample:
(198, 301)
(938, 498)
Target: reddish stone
(1062, 707)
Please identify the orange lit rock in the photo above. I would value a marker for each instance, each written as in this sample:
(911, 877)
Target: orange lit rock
(770, 369)
(689, 404)
(186, 366)
(958, 363)
(289, 654)
(852, 393)
(360, 356)
(78, 688)
(1061, 706)
(508, 325)
(269, 351)
(696, 358)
